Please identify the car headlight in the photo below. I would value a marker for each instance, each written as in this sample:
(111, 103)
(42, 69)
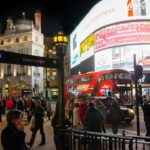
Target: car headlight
(131, 111)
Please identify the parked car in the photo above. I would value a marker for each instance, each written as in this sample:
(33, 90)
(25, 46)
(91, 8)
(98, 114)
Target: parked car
(127, 113)
(145, 61)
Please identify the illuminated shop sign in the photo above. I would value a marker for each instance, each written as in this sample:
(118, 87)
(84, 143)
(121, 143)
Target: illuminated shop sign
(123, 34)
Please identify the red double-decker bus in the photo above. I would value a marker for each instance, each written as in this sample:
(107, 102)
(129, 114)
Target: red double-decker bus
(116, 82)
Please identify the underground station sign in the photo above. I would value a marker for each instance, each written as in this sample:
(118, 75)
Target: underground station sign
(29, 60)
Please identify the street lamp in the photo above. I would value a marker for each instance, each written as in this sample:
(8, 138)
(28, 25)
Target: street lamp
(46, 81)
(60, 41)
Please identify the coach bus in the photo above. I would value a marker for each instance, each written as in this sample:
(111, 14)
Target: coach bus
(116, 82)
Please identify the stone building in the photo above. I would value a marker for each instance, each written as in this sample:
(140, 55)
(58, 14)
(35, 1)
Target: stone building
(25, 37)
(51, 82)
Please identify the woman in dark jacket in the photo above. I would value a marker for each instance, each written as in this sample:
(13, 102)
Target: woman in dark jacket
(115, 115)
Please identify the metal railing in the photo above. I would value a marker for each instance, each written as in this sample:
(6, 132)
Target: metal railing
(85, 140)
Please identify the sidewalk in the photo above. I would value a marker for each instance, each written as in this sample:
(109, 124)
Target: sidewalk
(48, 132)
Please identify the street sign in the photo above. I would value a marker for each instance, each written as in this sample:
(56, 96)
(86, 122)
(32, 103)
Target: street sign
(28, 60)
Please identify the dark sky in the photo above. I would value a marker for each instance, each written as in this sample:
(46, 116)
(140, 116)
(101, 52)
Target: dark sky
(67, 13)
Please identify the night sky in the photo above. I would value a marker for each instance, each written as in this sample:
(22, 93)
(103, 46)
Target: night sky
(55, 13)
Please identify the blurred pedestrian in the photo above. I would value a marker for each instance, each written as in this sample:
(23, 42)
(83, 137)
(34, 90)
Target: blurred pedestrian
(39, 121)
(1, 110)
(101, 107)
(93, 119)
(115, 116)
(20, 104)
(13, 136)
(77, 124)
(82, 110)
(30, 108)
(54, 124)
(9, 103)
(49, 109)
(146, 112)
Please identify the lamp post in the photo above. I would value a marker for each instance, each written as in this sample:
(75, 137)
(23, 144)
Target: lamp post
(46, 82)
(137, 97)
(60, 41)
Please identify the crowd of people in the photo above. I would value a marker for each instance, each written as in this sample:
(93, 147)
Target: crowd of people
(13, 136)
(92, 114)
(81, 114)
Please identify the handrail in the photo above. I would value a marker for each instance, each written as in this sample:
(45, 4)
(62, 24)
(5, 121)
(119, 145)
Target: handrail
(103, 140)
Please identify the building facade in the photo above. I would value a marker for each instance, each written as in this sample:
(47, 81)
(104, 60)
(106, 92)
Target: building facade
(24, 37)
(51, 78)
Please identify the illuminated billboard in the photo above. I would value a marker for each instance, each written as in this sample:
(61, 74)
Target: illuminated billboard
(121, 57)
(108, 26)
(123, 34)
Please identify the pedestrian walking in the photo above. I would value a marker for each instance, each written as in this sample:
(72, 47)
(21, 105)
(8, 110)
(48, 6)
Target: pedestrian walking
(54, 124)
(13, 136)
(146, 112)
(39, 121)
(115, 116)
(30, 109)
(77, 124)
(20, 104)
(9, 104)
(1, 110)
(101, 107)
(48, 109)
(82, 110)
(93, 119)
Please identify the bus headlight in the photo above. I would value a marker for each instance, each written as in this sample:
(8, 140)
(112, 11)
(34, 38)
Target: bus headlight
(131, 111)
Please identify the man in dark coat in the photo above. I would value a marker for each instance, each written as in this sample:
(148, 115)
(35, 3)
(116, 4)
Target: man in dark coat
(39, 121)
(115, 116)
(146, 112)
(13, 136)
(93, 119)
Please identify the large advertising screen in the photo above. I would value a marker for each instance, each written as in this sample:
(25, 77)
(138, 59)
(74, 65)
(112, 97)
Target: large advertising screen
(110, 26)
(123, 34)
(121, 57)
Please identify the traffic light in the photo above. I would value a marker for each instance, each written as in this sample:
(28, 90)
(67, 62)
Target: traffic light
(139, 71)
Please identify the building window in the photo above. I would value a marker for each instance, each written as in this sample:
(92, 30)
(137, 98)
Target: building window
(8, 69)
(25, 38)
(9, 40)
(17, 40)
(2, 42)
(22, 70)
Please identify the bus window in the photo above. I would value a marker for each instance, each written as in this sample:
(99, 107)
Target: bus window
(127, 76)
(116, 76)
(86, 79)
(106, 76)
(121, 75)
(110, 76)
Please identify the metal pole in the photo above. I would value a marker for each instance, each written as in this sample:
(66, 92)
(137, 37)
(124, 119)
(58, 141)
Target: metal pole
(61, 88)
(137, 98)
(46, 92)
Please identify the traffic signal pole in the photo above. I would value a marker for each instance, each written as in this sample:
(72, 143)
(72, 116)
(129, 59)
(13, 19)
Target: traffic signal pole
(137, 97)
